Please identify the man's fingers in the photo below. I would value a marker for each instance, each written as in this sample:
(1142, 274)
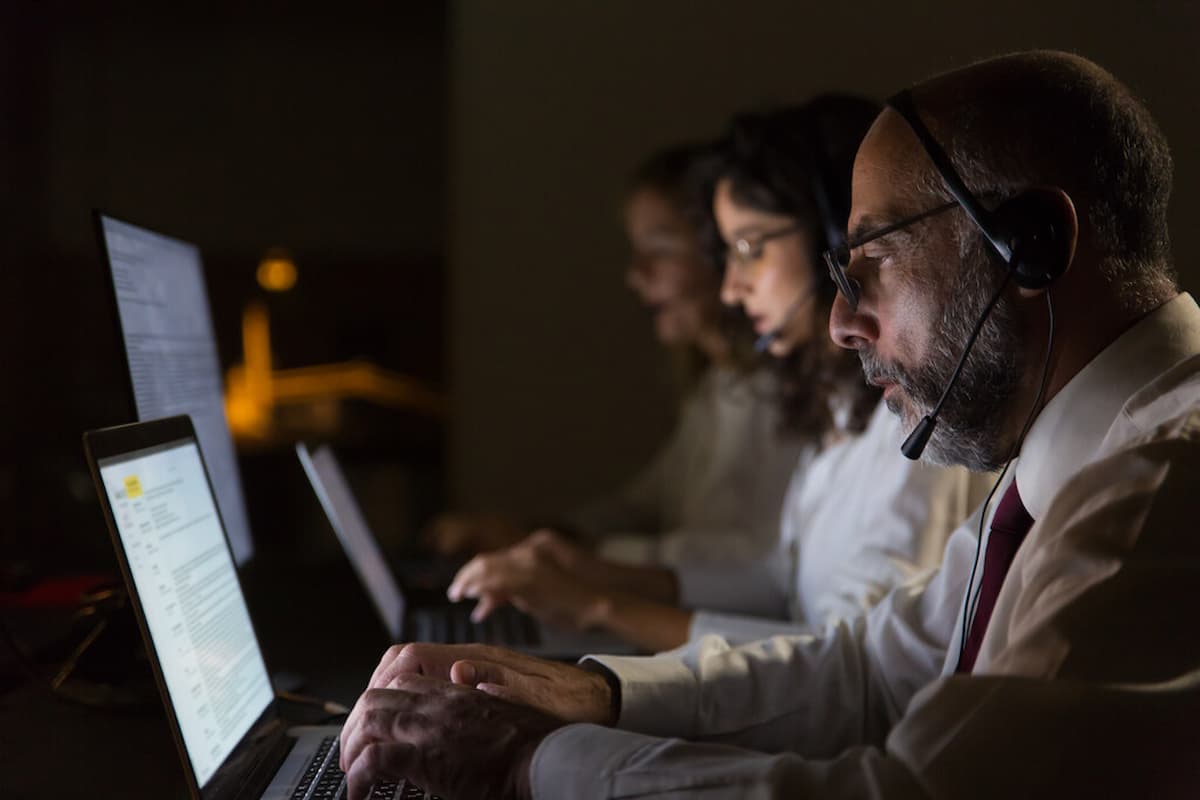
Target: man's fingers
(446, 738)
(385, 663)
(417, 658)
(476, 671)
(431, 660)
(465, 673)
(368, 714)
(496, 680)
(502, 692)
(388, 714)
(367, 726)
(380, 761)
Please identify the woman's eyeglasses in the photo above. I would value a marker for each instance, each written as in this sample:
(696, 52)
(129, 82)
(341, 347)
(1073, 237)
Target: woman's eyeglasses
(748, 249)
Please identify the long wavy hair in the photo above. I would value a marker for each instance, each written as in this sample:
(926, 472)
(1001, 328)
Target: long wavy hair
(797, 162)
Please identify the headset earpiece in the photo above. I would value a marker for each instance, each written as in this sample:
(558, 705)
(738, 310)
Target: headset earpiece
(1032, 233)
(1038, 234)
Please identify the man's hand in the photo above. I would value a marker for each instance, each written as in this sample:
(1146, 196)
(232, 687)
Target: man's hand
(468, 534)
(562, 690)
(544, 576)
(450, 740)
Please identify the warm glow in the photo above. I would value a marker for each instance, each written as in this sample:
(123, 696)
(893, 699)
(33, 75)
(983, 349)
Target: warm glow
(248, 387)
(254, 390)
(276, 271)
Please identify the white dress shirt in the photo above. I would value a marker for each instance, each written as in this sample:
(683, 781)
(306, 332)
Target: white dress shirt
(1088, 679)
(839, 554)
(714, 490)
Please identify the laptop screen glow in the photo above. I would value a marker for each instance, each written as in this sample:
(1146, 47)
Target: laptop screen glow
(172, 352)
(185, 577)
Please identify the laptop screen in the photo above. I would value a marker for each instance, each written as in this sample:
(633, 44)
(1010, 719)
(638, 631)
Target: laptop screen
(172, 353)
(194, 609)
(352, 531)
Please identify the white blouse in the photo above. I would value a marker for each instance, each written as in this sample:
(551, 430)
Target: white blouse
(1087, 682)
(713, 492)
(858, 520)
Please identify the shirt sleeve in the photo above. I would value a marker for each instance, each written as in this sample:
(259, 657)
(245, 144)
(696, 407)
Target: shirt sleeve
(815, 693)
(587, 761)
(738, 630)
(1085, 686)
(981, 737)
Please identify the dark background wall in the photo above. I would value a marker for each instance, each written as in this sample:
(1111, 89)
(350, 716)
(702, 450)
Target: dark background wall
(322, 133)
(558, 390)
(448, 177)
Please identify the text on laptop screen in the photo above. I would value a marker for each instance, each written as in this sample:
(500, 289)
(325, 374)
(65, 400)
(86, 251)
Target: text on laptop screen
(194, 608)
(172, 353)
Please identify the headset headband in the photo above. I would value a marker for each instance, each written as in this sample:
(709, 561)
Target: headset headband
(902, 103)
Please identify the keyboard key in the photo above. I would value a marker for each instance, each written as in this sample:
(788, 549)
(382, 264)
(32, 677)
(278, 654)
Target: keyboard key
(452, 624)
(313, 771)
(385, 790)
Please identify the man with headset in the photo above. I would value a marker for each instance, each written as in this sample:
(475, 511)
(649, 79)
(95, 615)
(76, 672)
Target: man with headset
(1009, 277)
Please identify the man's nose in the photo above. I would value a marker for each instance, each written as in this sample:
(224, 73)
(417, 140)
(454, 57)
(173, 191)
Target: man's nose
(849, 328)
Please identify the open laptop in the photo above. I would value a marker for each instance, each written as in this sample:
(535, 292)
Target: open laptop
(158, 291)
(175, 556)
(406, 620)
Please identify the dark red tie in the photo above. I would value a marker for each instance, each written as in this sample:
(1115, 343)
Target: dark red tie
(1010, 523)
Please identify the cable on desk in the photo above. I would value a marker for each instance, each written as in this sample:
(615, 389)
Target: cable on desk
(328, 706)
(100, 604)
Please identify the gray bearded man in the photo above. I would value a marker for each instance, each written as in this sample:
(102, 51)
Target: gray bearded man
(1051, 655)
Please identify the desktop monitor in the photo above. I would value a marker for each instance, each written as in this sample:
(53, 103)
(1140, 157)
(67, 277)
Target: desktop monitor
(171, 352)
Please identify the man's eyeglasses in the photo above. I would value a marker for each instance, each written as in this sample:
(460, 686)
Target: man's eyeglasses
(838, 258)
(749, 249)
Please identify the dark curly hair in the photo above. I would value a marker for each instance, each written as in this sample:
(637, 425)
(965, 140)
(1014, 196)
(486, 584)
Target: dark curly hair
(797, 161)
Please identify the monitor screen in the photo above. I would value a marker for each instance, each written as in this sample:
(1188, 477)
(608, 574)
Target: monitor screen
(187, 584)
(172, 353)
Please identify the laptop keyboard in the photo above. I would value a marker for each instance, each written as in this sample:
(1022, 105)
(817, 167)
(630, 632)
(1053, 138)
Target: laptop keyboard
(324, 780)
(451, 624)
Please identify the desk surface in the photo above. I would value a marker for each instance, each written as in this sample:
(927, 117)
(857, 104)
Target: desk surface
(54, 748)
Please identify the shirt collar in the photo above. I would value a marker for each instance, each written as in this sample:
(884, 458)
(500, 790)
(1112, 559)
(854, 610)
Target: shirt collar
(1068, 432)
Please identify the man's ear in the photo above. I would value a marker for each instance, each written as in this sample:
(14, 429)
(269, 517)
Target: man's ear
(1044, 229)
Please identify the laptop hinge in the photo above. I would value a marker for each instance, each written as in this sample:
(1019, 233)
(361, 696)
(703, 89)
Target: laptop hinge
(277, 749)
(254, 767)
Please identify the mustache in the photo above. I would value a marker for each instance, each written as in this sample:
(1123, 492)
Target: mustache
(876, 370)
